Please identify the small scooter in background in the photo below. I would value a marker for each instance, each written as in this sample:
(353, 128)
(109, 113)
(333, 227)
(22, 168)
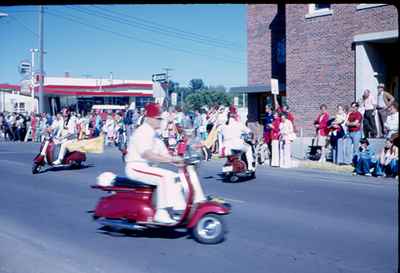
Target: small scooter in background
(71, 159)
(236, 165)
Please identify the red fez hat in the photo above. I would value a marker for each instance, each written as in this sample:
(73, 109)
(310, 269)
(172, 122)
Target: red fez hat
(152, 110)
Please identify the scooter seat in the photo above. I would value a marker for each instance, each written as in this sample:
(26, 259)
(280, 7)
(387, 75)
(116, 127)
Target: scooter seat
(121, 181)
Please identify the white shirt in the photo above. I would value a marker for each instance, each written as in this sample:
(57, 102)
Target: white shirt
(71, 126)
(234, 130)
(144, 138)
(57, 126)
(381, 101)
(392, 123)
(369, 103)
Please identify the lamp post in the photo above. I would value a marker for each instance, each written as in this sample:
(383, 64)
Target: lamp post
(41, 60)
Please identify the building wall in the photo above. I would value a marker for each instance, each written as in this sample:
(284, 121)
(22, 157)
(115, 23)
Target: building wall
(259, 18)
(321, 58)
(320, 54)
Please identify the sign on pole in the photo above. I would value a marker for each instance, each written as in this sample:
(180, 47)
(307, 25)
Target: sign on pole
(274, 86)
(161, 77)
(24, 67)
(174, 98)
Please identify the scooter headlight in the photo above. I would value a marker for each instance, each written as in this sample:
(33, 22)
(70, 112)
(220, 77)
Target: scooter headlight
(106, 179)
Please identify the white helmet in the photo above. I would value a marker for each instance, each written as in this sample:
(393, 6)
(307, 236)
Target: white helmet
(106, 179)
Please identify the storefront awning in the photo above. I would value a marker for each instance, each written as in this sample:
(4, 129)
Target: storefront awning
(259, 88)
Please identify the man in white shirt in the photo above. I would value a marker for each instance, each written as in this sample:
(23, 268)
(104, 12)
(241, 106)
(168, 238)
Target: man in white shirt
(385, 99)
(144, 148)
(68, 137)
(232, 132)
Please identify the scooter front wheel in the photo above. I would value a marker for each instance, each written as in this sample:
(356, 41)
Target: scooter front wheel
(210, 229)
(36, 168)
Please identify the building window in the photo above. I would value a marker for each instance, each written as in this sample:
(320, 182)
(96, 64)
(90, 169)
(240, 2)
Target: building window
(316, 10)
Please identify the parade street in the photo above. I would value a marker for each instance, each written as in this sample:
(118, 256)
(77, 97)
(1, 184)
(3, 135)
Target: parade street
(284, 221)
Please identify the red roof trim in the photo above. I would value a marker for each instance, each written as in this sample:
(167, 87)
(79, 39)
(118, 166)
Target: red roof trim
(10, 86)
(125, 85)
(95, 93)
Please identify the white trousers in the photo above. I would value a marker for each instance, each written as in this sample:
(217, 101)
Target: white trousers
(275, 153)
(241, 145)
(285, 154)
(169, 192)
(63, 148)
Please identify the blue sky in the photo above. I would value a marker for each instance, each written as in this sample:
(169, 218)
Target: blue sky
(135, 41)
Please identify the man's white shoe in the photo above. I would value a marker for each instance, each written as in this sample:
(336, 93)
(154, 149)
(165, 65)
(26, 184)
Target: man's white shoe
(162, 216)
(57, 162)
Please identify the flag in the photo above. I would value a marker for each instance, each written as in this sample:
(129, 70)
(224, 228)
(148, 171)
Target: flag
(93, 145)
(212, 137)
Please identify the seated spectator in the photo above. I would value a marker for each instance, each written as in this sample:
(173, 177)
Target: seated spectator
(387, 162)
(391, 125)
(364, 160)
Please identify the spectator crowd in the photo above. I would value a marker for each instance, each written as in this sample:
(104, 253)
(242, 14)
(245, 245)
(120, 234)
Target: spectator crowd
(341, 137)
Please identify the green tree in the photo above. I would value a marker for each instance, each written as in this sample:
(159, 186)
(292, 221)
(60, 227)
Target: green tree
(207, 98)
(196, 84)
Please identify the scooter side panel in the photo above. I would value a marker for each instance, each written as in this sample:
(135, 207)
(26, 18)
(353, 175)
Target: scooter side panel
(205, 208)
(39, 159)
(135, 206)
(74, 156)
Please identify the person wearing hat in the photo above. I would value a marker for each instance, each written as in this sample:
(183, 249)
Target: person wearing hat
(384, 101)
(144, 148)
(232, 131)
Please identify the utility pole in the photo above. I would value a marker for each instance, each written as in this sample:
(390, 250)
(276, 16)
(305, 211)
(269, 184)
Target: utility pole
(167, 79)
(33, 51)
(41, 60)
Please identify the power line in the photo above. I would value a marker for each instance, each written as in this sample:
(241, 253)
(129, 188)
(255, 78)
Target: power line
(172, 30)
(106, 29)
(164, 32)
(12, 17)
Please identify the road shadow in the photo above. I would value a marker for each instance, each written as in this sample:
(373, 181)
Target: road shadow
(226, 180)
(160, 232)
(65, 168)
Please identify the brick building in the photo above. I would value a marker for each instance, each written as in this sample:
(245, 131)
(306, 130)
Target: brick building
(320, 53)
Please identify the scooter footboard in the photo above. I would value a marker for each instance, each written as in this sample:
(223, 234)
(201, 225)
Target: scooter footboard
(206, 208)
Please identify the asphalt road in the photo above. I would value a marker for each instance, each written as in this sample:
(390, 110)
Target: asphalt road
(285, 221)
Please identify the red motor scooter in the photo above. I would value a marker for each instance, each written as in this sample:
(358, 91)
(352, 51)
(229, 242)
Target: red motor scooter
(236, 165)
(130, 207)
(71, 159)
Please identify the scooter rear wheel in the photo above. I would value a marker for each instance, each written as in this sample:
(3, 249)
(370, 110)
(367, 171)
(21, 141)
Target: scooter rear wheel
(210, 229)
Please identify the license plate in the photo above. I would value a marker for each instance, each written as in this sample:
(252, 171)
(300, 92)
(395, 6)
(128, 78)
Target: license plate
(227, 169)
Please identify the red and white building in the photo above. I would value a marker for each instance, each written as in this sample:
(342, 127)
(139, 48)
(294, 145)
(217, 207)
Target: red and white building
(82, 93)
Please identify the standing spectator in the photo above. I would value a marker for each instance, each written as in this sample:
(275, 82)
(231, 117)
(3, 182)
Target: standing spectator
(385, 99)
(322, 130)
(387, 163)
(369, 104)
(33, 126)
(275, 136)
(286, 138)
(391, 125)
(98, 124)
(353, 123)
(109, 130)
(267, 135)
(196, 123)
(344, 154)
(203, 125)
(337, 131)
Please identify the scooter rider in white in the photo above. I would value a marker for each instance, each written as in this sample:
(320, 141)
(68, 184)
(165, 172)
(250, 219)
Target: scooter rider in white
(232, 132)
(65, 138)
(144, 148)
(54, 130)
